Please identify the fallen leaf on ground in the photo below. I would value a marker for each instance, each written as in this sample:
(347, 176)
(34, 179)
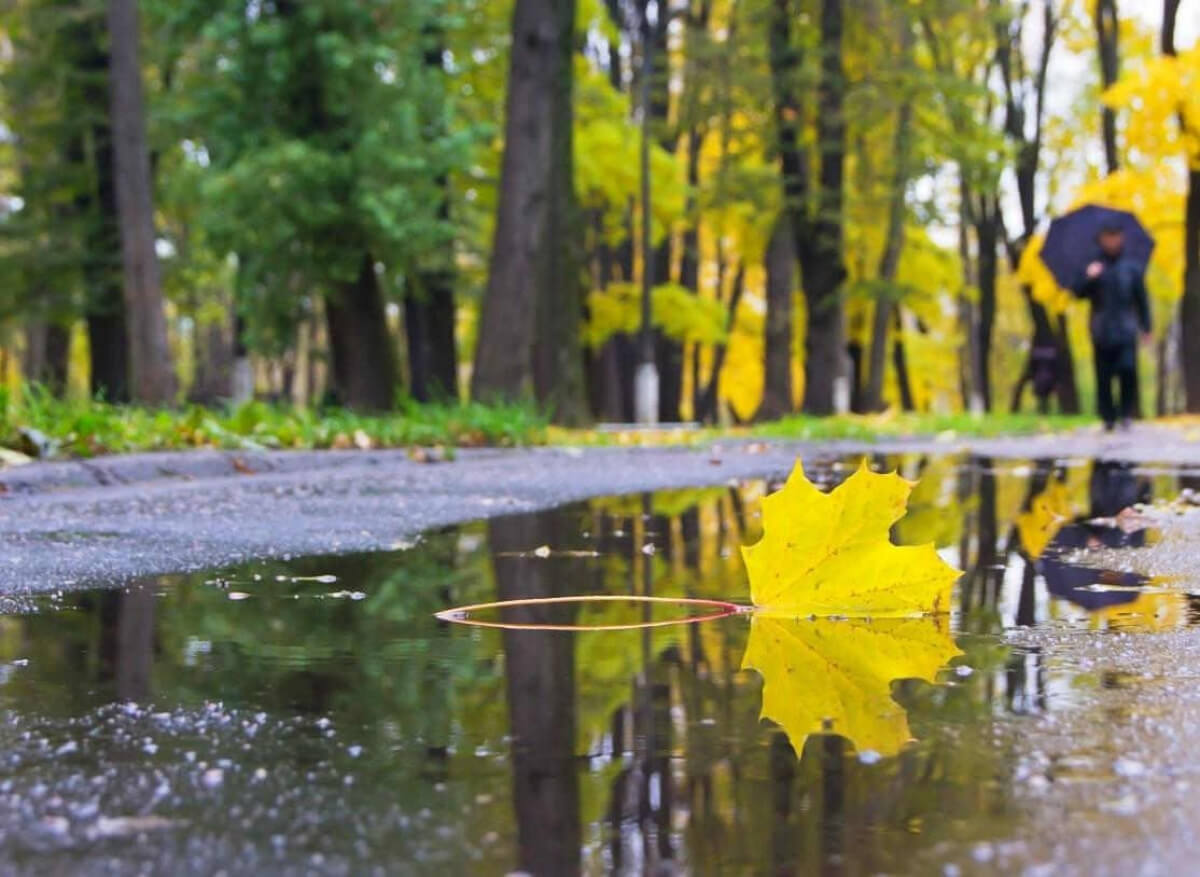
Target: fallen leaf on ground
(825, 554)
(834, 676)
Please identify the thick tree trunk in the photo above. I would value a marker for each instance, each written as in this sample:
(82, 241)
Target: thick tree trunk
(821, 253)
(364, 361)
(151, 375)
(533, 292)
(819, 240)
(558, 348)
(104, 301)
(777, 334)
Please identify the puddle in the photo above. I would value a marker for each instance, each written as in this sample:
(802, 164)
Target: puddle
(316, 717)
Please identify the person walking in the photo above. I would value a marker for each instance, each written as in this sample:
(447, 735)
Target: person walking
(1116, 288)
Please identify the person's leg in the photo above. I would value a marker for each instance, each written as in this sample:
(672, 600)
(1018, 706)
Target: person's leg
(1104, 380)
(1127, 373)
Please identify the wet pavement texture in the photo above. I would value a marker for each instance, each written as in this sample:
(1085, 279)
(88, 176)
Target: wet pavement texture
(73, 524)
(312, 716)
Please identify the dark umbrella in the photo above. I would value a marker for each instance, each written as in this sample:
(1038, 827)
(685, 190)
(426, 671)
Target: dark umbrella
(1071, 243)
(1072, 582)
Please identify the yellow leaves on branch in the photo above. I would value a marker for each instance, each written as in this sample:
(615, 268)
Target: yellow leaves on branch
(826, 554)
(829, 554)
(1159, 96)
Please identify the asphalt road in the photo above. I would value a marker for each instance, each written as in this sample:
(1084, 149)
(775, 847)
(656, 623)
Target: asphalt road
(108, 521)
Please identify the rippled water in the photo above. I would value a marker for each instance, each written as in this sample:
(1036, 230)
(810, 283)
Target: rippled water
(315, 717)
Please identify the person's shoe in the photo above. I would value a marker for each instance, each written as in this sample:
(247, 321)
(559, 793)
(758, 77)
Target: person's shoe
(1109, 426)
(1126, 424)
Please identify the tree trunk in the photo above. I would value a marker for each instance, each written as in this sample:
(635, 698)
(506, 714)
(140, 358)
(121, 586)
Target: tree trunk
(364, 362)
(533, 289)
(819, 240)
(151, 373)
(540, 692)
(889, 262)
(429, 305)
(777, 334)
(987, 235)
(1189, 304)
(47, 354)
(900, 363)
(58, 357)
(558, 348)
(668, 352)
(429, 334)
(214, 364)
(104, 301)
(1107, 32)
(821, 254)
(706, 409)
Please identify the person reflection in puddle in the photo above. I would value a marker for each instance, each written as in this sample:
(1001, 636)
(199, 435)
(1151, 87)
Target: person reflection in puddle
(1113, 488)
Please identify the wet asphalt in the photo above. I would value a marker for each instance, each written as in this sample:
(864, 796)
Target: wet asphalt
(111, 520)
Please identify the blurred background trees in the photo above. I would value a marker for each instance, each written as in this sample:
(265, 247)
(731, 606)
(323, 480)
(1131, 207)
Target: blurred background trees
(350, 203)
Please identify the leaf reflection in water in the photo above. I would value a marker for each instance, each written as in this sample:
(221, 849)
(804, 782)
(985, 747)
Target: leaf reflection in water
(825, 675)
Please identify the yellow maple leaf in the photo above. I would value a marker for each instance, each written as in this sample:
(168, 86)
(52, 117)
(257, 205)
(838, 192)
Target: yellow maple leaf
(834, 676)
(828, 554)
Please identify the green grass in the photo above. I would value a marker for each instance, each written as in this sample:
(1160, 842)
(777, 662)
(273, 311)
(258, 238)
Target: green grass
(82, 428)
(847, 427)
(868, 427)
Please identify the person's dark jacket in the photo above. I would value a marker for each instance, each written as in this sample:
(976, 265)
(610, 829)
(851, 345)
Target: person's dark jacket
(1120, 306)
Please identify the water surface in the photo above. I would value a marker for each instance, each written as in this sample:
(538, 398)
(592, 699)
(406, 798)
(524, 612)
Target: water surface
(313, 716)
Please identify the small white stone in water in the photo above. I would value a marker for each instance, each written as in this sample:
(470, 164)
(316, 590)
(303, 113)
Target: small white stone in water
(212, 777)
(1128, 768)
(237, 595)
(983, 853)
(354, 751)
(260, 774)
(869, 756)
(1123, 806)
(542, 551)
(963, 671)
(67, 748)
(56, 824)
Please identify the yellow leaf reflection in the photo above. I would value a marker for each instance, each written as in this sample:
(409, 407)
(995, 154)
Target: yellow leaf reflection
(830, 553)
(1048, 511)
(834, 676)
